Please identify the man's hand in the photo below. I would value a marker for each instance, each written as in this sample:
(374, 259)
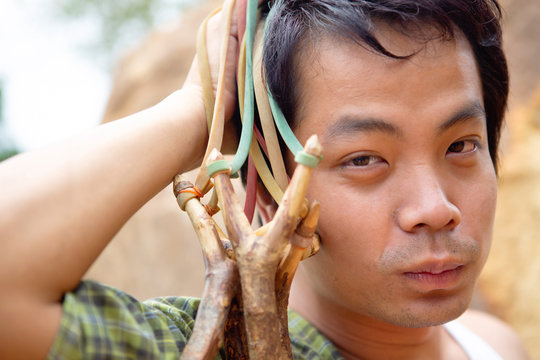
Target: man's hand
(215, 31)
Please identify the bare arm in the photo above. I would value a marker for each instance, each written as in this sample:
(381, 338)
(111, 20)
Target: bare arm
(62, 205)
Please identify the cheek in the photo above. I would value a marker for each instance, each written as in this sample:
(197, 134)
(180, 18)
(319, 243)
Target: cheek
(349, 219)
(479, 211)
(352, 227)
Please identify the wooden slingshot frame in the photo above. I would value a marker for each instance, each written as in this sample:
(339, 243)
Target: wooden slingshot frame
(248, 272)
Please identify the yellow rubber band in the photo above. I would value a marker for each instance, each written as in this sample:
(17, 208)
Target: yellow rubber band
(218, 121)
(265, 113)
(204, 69)
(260, 164)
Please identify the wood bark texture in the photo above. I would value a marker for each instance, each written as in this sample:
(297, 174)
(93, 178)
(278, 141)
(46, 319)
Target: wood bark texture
(244, 304)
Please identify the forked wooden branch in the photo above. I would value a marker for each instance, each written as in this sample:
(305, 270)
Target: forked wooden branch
(221, 279)
(303, 238)
(245, 300)
(258, 257)
(244, 304)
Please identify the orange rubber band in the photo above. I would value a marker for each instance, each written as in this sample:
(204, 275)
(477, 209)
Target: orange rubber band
(192, 190)
(210, 210)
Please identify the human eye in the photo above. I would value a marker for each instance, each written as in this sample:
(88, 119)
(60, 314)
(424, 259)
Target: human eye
(362, 161)
(364, 167)
(463, 147)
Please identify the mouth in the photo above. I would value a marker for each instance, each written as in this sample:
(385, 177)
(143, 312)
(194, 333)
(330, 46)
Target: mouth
(436, 276)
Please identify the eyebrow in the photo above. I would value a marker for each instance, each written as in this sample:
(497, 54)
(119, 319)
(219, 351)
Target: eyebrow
(348, 125)
(472, 111)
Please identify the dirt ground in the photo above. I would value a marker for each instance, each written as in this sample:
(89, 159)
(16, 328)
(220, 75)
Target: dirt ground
(156, 252)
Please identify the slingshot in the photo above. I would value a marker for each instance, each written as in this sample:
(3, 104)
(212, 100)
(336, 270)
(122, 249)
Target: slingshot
(248, 273)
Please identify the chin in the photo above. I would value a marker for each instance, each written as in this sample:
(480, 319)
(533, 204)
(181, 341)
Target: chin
(433, 310)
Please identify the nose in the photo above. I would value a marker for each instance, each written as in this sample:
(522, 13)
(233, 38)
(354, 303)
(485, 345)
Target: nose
(425, 204)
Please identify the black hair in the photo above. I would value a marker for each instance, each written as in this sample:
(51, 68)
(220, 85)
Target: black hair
(294, 23)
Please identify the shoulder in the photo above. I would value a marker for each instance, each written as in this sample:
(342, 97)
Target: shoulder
(500, 336)
(101, 320)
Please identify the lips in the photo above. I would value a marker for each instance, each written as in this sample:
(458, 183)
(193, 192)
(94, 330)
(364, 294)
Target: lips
(434, 267)
(435, 275)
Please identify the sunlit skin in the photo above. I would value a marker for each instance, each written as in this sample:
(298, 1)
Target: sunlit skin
(407, 191)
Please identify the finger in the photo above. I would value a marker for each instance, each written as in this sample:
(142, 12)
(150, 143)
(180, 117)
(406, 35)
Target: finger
(218, 120)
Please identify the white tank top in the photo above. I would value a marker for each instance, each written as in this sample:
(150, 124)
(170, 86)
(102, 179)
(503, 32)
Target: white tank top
(474, 346)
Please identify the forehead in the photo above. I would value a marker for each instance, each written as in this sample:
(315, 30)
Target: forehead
(340, 77)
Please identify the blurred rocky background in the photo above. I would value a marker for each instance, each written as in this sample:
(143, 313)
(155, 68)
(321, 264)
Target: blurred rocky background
(156, 253)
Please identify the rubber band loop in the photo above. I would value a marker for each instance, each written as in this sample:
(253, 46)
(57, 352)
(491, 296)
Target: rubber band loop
(241, 78)
(261, 141)
(215, 137)
(273, 149)
(217, 166)
(260, 164)
(306, 159)
(193, 190)
(186, 194)
(211, 211)
(285, 130)
(281, 123)
(251, 84)
(249, 106)
(283, 127)
(241, 6)
(204, 69)
(251, 190)
(264, 172)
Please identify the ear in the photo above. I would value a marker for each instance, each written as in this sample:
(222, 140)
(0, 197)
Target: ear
(266, 205)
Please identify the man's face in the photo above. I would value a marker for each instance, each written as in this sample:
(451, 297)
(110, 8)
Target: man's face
(407, 187)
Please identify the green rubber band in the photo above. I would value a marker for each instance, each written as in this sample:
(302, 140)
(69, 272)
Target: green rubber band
(283, 127)
(306, 159)
(281, 123)
(249, 102)
(217, 166)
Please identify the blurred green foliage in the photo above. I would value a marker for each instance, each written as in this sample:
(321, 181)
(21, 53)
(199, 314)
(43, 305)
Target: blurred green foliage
(7, 149)
(119, 21)
(7, 153)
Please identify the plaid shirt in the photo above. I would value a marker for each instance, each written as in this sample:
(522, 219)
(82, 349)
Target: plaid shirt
(100, 322)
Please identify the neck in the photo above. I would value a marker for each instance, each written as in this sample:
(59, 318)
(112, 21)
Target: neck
(362, 337)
